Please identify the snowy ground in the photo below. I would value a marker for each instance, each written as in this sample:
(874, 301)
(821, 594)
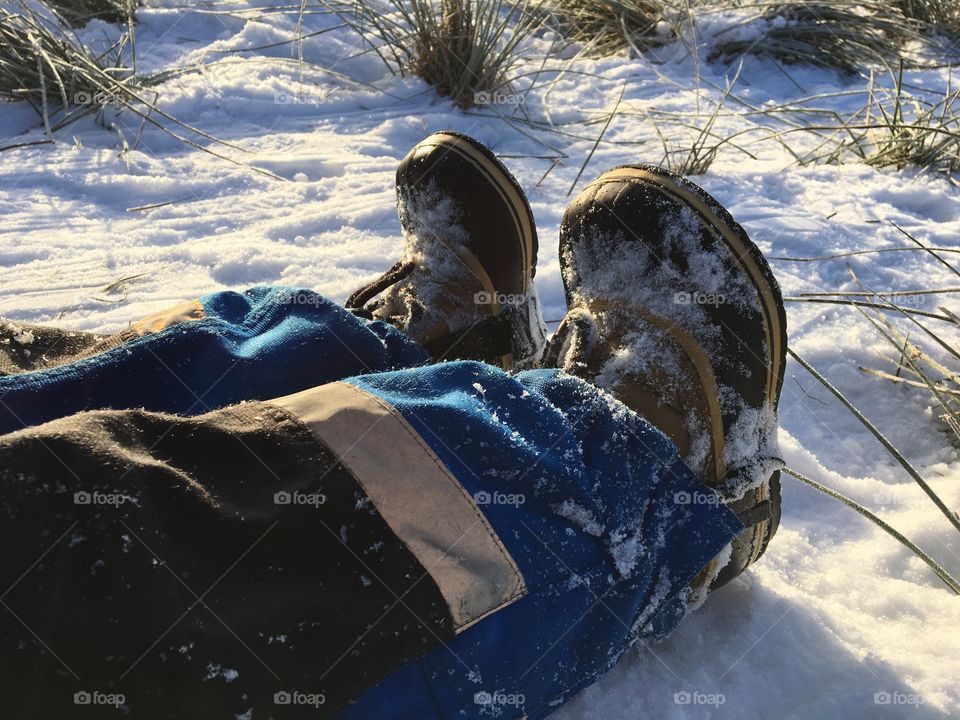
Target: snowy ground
(836, 612)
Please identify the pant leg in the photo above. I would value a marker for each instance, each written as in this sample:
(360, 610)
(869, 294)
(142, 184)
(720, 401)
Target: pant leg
(197, 568)
(594, 506)
(483, 537)
(223, 349)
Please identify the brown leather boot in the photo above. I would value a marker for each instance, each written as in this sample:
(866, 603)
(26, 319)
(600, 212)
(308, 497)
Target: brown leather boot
(675, 312)
(464, 286)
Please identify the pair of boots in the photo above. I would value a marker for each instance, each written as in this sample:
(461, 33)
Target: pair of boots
(671, 309)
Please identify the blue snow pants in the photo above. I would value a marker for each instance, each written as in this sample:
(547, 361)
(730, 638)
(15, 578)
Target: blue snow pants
(377, 536)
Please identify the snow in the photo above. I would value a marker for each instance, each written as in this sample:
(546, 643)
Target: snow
(215, 671)
(626, 552)
(427, 302)
(579, 516)
(837, 618)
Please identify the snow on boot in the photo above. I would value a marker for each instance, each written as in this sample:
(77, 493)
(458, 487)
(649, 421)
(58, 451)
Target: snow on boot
(675, 312)
(464, 286)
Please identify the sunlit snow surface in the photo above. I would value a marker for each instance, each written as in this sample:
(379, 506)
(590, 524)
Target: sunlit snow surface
(836, 612)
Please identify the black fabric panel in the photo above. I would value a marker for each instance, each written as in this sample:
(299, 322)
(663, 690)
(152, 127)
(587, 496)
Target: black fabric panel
(294, 597)
(24, 348)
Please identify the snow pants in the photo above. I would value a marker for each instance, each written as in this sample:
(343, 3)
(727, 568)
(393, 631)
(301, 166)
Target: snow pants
(258, 505)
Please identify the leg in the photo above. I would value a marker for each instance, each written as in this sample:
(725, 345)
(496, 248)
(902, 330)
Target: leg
(427, 512)
(585, 498)
(223, 349)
